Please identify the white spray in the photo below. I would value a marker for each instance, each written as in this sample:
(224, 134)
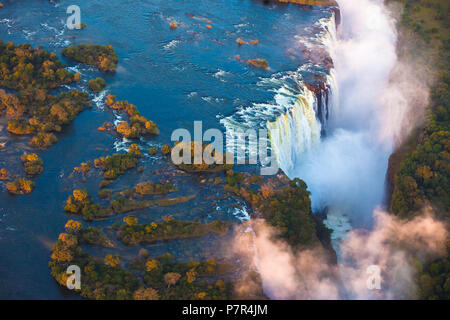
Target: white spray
(345, 172)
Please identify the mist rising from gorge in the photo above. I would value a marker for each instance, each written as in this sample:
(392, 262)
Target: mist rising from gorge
(393, 245)
(380, 101)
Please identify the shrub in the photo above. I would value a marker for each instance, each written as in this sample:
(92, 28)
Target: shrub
(97, 85)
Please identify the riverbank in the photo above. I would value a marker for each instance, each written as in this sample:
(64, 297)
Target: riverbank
(418, 174)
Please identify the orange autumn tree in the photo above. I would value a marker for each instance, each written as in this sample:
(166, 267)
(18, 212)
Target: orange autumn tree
(152, 264)
(146, 294)
(73, 226)
(112, 260)
(171, 278)
(131, 220)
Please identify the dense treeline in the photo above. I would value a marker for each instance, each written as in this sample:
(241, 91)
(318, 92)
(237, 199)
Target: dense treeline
(423, 177)
(183, 280)
(100, 280)
(423, 174)
(31, 109)
(163, 278)
(22, 67)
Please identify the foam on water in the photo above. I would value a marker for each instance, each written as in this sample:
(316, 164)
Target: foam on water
(99, 100)
(171, 45)
(297, 115)
(241, 214)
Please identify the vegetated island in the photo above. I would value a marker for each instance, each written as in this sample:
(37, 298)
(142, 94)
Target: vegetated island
(32, 163)
(132, 233)
(32, 73)
(20, 186)
(137, 125)
(163, 278)
(102, 57)
(97, 85)
(218, 159)
(81, 203)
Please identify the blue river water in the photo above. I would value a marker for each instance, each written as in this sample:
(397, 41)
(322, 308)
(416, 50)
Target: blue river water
(173, 76)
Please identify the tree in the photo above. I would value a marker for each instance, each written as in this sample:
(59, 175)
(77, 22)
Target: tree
(201, 295)
(131, 220)
(267, 191)
(165, 149)
(20, 186)
(4, 175)
(124, 129)
(97, 85)
(191, 276)
(112, 260)
(80, 195)
(146, 294)
(171, 278)
(60, 112)
(151, 264)
(32, 163)
(63, 250)
(73, 226)
(152, 151)
(68, 240)
(110, 100)
(143, 253)
(135, 150)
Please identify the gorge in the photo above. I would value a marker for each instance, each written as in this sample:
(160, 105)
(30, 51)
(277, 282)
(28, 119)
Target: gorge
(343, 158)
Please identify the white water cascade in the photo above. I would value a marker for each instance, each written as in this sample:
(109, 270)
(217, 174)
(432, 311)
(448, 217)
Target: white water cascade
(299, 124)
(345, 168)
(307, 116)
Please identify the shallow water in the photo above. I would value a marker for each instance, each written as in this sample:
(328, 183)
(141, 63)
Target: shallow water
(173, 76)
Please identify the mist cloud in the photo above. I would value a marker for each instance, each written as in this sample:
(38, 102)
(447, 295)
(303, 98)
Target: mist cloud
(393, 246)
(381, 99)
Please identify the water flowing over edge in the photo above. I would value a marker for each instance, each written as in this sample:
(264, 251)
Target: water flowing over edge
(304, 101)
(307, 113)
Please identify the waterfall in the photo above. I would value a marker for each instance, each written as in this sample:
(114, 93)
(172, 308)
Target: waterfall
(304, 121)
(332, 93)
(294, 132)
(305, 101)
